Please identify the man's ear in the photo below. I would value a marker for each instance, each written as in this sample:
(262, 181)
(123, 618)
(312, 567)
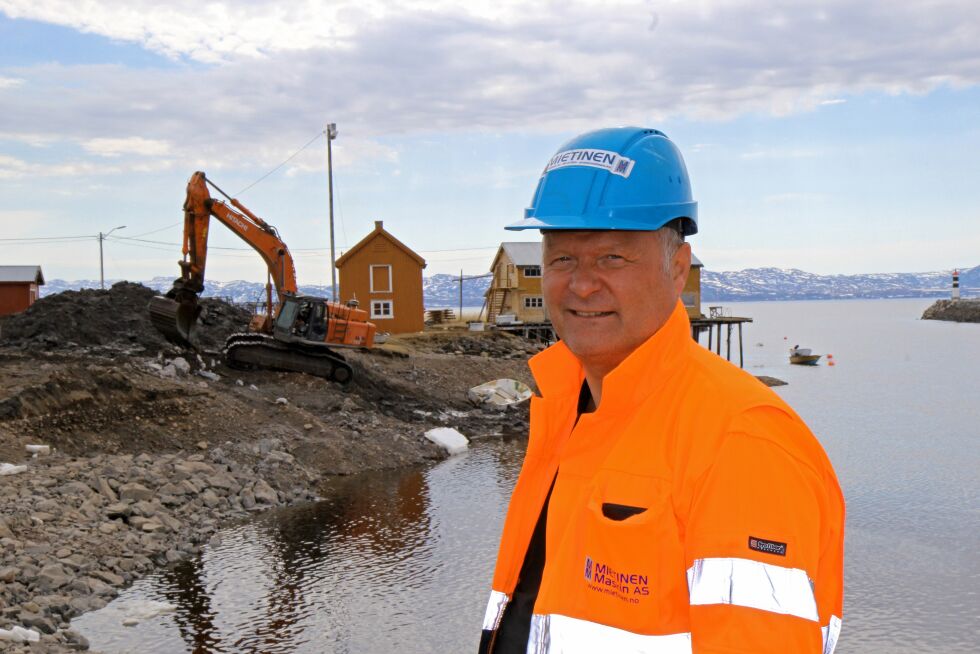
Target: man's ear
(680, 267)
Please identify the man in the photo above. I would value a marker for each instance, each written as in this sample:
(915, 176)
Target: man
(669, 502)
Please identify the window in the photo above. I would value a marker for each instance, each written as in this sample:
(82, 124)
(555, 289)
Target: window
(380, 278)
(532, 271)
(689, 299)
(382, 309)
(533, 302)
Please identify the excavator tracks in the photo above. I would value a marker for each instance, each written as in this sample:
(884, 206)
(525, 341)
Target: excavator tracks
(249, 351)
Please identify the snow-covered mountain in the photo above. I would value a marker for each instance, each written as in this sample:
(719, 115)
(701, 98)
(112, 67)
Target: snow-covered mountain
(751, 284)
(792, 284)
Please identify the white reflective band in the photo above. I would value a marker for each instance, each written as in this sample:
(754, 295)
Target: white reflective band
(559, 634)
(742, 582)
(495, 610)
(830, 634)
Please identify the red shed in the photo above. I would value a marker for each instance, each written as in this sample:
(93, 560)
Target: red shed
(19, 287)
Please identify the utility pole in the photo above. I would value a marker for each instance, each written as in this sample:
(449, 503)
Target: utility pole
(103, 237)
(331, 135)
(460, 293)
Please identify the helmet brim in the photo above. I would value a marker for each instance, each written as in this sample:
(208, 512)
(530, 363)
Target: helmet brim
(635, 219)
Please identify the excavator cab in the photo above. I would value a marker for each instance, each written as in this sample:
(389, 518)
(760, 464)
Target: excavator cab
(318, 321)
(302, 318)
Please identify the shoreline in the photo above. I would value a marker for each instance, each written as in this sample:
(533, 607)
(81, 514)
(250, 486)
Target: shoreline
(75, 531)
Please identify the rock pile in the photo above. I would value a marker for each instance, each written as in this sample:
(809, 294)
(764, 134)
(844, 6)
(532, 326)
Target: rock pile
(74, 531)
(116, 318)
(954, 310)
(493, 344)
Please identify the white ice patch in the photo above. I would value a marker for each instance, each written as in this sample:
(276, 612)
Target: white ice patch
(11, 469)
(447, 437)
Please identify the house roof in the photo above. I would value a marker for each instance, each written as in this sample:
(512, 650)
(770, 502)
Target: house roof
(379, 230)
(529, 254)
(22, 274)
(523, 254)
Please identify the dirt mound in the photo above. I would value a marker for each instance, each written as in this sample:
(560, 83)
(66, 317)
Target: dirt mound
(116, 317)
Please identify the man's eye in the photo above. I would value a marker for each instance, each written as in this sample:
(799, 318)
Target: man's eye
(559, 261)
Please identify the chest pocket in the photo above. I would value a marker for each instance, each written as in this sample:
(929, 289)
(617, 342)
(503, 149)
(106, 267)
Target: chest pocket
(629, 557)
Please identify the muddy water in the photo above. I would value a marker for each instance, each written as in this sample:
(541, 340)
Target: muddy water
(401, 561)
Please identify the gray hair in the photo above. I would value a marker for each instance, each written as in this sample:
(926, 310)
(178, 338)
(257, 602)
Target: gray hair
(671, 239)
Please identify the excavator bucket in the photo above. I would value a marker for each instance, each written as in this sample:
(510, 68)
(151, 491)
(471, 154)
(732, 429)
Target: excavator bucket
(175, 320)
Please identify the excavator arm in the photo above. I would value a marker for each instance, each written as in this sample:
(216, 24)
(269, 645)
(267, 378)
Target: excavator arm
(176, 313)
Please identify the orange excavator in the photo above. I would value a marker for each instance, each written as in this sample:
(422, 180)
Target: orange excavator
(301, 334)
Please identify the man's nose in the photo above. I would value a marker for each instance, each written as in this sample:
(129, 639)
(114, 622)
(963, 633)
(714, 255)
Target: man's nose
(584, 281)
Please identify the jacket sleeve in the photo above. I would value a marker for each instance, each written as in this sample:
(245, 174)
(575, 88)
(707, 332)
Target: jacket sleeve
(763, 545)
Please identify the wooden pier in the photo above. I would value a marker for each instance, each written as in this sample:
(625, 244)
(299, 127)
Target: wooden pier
(719, 318)
(542, 332)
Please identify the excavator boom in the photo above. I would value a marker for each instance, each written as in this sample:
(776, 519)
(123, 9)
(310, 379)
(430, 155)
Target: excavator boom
(176, 313)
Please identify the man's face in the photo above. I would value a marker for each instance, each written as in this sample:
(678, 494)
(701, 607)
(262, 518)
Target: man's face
(608, 291)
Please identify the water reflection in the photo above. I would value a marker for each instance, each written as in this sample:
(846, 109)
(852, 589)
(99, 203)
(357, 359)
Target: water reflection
(369, 568)
(183, 586)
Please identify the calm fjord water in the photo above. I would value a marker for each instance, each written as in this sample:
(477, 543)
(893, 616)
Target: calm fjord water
(401, 561)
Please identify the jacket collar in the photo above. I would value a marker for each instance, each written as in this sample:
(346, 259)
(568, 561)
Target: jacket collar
(559, 373)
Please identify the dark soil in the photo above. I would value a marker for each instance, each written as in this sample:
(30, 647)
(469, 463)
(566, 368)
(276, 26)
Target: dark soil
(115, 317)
(87, 373)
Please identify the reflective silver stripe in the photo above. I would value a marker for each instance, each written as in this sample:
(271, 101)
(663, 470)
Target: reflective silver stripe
(830, 634)
(559, 634)
(743, 582)
(495, 610)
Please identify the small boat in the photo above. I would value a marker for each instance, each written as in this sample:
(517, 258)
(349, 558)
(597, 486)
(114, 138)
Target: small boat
(499, 392)
(802, 356)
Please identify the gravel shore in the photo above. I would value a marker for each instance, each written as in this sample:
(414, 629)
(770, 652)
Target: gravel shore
(74, 531)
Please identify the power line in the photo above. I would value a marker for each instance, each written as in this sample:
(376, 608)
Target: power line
(30, 239)
(288, 159)
(296, 250)
(157, 230)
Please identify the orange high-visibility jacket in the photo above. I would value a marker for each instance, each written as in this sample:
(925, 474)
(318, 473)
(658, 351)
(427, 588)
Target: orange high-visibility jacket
(693, 511)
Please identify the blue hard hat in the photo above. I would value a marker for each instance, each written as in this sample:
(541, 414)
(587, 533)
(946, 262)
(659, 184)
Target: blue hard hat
(627, 178)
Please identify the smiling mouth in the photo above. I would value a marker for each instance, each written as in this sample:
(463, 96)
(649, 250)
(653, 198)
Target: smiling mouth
(590, 314)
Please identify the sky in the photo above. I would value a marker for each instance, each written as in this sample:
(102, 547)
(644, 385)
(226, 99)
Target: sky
(832, 136)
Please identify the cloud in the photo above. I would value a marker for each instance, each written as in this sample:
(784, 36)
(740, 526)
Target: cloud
(10, 82)
(275, 73)
(15, 168)
(113, 147)
(33, 139)
(833, 101)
